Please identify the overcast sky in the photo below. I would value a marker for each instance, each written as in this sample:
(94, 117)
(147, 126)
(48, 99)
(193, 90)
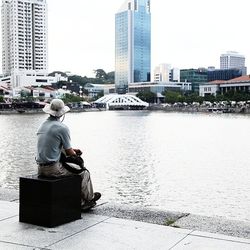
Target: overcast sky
(185, 34)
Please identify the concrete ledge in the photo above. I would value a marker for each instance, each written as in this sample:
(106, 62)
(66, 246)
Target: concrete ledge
(215, 225)
(176, 219)
(138, 213)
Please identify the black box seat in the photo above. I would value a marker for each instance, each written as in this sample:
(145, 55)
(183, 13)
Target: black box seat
(49, 201)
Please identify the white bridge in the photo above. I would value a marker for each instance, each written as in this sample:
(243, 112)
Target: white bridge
(116, 101)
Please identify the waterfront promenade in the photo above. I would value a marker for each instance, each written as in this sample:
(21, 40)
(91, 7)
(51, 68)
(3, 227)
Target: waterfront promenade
(117, 227)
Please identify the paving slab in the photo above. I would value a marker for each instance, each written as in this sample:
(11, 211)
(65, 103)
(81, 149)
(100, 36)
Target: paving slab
(220, 236)
(11, 246)
(11, 230)
(123, 234)
(8, 209)
(99, 231)
(192, 242)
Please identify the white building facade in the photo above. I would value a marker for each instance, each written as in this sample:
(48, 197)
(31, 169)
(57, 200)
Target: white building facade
(164, 73)
(232, 60)
(208, 89)
(24, 41)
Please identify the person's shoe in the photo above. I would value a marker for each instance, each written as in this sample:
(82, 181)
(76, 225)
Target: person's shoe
(88, 205)
(97, 196)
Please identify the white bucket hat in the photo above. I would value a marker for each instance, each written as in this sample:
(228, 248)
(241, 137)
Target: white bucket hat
(56, 108)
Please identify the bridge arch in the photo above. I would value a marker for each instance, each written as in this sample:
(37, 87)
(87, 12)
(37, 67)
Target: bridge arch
(116, 101)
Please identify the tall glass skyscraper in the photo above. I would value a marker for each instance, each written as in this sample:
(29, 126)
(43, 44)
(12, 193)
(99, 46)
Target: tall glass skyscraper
(132, 44)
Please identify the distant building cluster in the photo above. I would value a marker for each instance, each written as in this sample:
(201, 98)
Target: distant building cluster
(25, 57)
(132, 58)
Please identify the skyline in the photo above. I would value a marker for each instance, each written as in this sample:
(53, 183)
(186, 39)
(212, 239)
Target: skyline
(82, 34)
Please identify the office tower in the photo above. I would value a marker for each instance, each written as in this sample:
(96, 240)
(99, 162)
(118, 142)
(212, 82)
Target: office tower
(132, 44)
(195, 76)
(24, 40)
(164, 73)
(232, 60)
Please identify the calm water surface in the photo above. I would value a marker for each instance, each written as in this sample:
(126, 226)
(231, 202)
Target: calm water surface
(197, 163)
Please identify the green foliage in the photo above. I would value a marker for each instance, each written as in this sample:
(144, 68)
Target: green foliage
(169, 222)
(79, 79)
(237, 96)
(105, 78)
(26, 96)
(173, 96)
(68, 98)
(1, 98)
(147, 96)
(111, 76)
(190, 97)
(58, 72)
(100, 74)
(101, 77)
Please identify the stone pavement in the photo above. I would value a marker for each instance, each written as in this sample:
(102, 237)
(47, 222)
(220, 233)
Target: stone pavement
(94, 232)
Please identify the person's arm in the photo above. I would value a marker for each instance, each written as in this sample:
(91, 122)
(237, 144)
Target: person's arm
(72, 151)
(66, 142)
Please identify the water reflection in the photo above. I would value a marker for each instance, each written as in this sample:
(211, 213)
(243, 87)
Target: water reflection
(194, 163)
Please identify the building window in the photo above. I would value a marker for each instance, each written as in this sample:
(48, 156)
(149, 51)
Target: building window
(135, 3)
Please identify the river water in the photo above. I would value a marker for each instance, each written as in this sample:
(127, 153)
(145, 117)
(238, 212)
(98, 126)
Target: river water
(195, 163)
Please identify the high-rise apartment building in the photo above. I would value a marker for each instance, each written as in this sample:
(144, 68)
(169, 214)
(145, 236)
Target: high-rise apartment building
(24, 40)
(232, 60)
(132, 44)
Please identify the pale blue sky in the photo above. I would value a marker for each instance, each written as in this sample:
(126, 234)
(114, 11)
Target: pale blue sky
(185, 34)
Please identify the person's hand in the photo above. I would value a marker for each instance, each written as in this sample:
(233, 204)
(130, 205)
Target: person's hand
(78, 151)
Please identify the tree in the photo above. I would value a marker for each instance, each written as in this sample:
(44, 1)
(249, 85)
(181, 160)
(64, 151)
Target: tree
(193, 97)
(172, 96)
(111, 76)
(79, 79)
(147, 96)
(72, 98)
(58, 72)
(100, 74)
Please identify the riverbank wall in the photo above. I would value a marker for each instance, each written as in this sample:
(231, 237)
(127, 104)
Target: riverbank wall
(39, 111)
(193, 109)
(181, 109)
